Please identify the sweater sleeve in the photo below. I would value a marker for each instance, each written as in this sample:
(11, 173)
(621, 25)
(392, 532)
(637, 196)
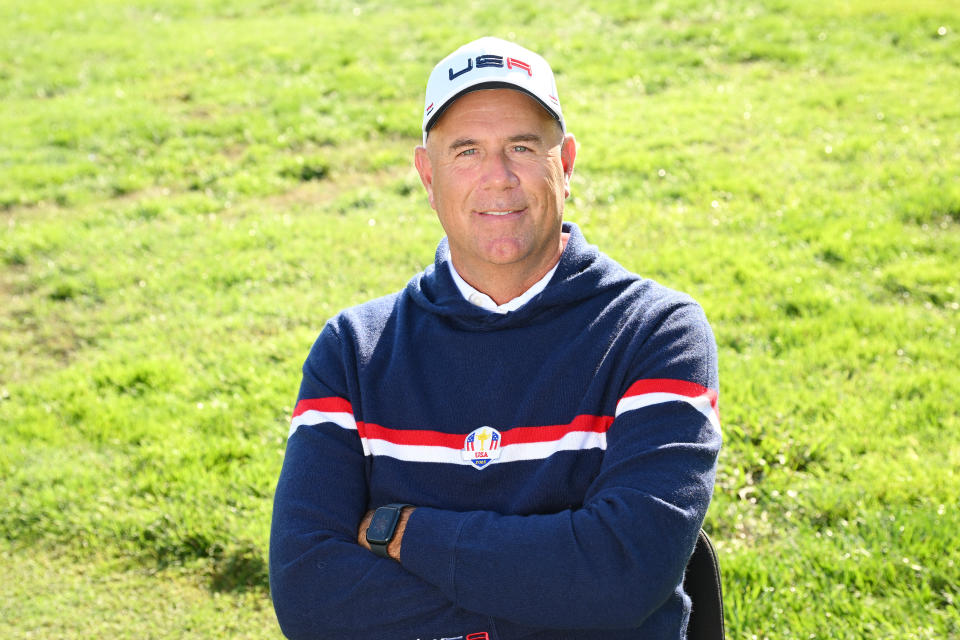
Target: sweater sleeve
(324, 584)
(617, 558)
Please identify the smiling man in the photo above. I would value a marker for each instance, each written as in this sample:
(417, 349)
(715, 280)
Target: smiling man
(497, 168)
(521, 443)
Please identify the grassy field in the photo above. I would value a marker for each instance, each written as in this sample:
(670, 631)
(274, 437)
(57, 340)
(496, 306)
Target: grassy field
(188, 190)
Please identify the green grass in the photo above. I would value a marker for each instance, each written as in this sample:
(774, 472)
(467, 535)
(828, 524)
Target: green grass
(189, 190)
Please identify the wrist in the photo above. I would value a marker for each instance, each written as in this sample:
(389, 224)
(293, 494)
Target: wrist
(393, 549)
(381, 530)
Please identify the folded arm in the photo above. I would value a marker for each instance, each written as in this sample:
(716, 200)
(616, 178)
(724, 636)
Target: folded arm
(324, 584)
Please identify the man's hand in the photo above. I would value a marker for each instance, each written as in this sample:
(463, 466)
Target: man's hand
(393, 548)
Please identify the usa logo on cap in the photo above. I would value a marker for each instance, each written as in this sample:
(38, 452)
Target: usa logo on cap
(481, 447)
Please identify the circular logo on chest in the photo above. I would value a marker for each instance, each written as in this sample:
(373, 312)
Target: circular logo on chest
(481, 447)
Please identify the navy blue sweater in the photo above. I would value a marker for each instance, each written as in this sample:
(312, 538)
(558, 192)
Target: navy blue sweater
(561, 458)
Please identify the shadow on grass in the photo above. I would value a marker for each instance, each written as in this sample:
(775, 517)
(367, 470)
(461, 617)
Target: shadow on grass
(233, 567)
(239, 570)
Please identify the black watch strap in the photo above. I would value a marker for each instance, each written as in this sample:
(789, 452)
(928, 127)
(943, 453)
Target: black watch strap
(380, 549)
(383, 526)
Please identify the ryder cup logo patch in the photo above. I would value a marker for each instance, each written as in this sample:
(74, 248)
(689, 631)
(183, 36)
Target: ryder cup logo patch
(481, 447)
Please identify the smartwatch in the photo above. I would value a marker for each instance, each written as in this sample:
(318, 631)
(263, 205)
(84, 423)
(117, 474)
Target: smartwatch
(382, 527)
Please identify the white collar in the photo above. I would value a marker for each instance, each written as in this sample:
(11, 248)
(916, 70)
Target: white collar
(482, 300)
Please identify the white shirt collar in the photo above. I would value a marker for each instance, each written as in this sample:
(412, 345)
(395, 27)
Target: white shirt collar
(482, 300)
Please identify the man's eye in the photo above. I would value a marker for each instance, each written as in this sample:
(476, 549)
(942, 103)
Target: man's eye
(467, 152)
(520, 148)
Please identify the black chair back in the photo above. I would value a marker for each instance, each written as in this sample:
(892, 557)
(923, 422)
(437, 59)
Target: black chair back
(701, 581)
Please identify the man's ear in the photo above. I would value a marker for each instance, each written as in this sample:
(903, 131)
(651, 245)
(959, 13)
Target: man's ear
(568, 155)
(422, 161)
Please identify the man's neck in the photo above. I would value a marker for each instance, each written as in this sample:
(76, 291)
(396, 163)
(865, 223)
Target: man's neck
(502, 282)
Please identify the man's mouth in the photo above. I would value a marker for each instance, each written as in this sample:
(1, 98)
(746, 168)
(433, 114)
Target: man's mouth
(500, 213)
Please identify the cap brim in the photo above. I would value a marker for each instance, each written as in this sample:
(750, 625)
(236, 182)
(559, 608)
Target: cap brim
(492, 84)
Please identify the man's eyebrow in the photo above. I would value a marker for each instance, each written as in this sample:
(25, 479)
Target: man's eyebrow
(462, 142)
(526, 137)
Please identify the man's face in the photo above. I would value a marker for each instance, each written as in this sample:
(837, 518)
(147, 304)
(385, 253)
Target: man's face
(497, 170)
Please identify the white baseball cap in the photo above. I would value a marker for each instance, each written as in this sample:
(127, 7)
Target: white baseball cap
(490, 63)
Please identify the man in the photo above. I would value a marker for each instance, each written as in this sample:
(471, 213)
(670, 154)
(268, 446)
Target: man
(520, 444)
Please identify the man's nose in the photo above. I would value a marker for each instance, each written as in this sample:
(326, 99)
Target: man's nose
(498, 172)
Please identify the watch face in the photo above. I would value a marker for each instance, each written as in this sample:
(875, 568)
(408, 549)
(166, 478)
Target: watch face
(382, 525)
